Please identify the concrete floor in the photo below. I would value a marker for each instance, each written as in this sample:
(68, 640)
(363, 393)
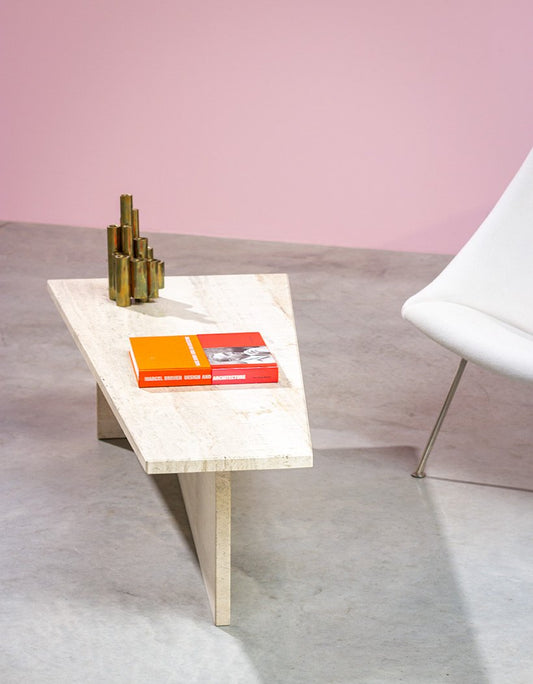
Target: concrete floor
(350, 572)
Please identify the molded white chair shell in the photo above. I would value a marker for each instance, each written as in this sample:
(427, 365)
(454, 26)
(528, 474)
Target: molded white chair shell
(481, 305)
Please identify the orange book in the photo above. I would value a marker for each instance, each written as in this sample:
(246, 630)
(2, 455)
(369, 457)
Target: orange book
(169, 360)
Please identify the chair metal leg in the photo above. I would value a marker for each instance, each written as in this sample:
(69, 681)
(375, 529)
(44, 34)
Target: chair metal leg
(419, 472)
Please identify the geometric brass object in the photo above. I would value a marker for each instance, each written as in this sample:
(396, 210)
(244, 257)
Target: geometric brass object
(122, 279)
(126, 237)
(140, 247)
(161, 274)
(113, 245)
(133, 273)
(139, 279)
(135, 223)
(126, 210)
(153, 278)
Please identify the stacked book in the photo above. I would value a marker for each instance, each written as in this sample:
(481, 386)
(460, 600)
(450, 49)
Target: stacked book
(206, 359)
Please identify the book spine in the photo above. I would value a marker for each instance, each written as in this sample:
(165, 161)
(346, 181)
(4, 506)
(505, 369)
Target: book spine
(172, 379)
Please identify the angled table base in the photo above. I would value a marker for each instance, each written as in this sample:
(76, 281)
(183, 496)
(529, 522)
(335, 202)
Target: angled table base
(207, 499)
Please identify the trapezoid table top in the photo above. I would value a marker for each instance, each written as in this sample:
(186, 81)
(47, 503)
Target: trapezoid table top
(204, 428)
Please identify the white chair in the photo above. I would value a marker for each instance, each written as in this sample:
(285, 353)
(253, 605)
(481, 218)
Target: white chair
(481, 305)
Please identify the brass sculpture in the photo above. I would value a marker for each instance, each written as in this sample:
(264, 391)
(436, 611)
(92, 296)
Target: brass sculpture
(113, 245)
(134, 275)
(122, 279)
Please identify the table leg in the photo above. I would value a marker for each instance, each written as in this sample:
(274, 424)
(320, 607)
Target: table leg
(207, 498)
(107, 426)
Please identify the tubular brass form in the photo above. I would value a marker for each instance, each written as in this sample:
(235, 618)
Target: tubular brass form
(419, 472)
(135, 222)
(126, 237)
(153, 278)
(139, 279)
(122, 279)
(113, 245)
(126, 210)
(132, 271)
(140, 247)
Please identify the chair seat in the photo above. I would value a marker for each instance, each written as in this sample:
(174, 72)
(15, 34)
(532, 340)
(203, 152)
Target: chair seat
(475, 336)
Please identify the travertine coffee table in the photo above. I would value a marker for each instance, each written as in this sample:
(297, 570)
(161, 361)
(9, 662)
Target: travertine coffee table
(200, 433)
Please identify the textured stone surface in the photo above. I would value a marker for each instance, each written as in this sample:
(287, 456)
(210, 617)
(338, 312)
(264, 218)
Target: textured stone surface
(196, 429)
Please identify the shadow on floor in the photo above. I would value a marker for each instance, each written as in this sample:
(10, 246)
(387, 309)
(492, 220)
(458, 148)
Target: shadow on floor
(325, 590)
(169, 490)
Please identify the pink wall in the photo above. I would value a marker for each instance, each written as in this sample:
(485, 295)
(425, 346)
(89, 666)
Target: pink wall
(372, 123)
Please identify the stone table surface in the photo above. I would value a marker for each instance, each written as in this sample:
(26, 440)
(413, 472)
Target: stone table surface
(196, 429)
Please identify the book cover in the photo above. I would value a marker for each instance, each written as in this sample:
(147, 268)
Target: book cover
(212, 358)
(169, 361)
(239, 358)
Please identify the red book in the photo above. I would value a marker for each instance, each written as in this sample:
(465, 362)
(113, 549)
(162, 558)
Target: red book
(238, 358)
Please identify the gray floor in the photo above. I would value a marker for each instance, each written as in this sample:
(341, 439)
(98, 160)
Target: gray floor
(373, 576)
